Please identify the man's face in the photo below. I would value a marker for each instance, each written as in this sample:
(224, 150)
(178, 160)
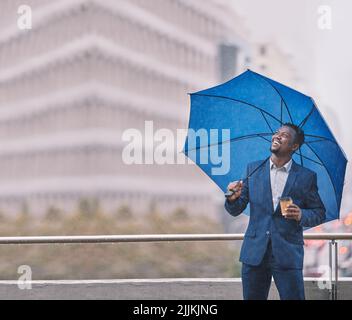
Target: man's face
(282, 142)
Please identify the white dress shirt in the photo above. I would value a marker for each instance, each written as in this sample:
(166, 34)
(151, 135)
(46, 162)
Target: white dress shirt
(278, 178)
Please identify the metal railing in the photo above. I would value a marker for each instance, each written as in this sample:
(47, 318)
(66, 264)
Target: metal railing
(331, 237)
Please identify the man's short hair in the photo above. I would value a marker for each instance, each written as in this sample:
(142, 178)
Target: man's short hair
(299, 136)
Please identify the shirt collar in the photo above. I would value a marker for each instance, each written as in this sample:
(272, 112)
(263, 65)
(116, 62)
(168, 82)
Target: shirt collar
(287, 165)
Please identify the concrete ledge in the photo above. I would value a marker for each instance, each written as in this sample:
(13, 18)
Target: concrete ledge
(156, 289)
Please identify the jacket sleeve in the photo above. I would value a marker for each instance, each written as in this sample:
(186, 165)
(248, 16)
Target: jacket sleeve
(314, 212)
(236, 207)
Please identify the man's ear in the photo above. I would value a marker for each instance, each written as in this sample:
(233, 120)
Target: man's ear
(295, 146)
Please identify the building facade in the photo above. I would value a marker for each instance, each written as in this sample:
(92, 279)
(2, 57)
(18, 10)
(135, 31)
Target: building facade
(89, 70)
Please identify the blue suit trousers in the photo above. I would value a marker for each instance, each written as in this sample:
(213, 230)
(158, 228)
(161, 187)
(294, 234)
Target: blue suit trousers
(256, 280)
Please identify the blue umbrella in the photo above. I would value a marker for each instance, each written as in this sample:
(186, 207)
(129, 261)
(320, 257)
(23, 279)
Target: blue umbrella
(232, 124)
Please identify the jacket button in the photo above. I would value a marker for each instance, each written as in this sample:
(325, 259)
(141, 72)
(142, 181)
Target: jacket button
(268, 232)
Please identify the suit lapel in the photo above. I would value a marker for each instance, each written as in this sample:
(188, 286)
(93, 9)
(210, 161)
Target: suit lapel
(265, 172)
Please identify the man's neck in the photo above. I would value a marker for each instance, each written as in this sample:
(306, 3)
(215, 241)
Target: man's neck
(279, 161)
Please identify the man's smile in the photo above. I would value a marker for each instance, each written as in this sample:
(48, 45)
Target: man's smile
(276, 142)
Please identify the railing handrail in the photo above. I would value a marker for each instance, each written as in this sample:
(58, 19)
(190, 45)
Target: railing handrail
(332, 237)
(152, 238)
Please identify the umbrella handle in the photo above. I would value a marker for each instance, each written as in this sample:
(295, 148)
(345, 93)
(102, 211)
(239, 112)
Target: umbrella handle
(229, 193)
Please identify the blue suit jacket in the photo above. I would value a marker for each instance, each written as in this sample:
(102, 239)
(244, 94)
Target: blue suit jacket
(267, 222)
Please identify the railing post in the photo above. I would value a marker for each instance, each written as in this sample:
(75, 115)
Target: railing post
(333, 269)
(330, 270)
(336, 268)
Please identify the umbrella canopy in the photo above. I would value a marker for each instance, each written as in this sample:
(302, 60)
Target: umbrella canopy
(232, 124)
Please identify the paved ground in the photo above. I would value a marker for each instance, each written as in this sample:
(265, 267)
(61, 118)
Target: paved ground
(158, 289)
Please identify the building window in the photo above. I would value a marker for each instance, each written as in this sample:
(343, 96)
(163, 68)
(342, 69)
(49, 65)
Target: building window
(262, 50)
(228, 59)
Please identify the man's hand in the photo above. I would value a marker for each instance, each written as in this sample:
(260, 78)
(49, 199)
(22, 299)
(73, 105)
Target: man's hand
(236, 187)
(293, 212)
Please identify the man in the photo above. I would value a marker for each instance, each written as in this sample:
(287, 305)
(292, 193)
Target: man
(273, 243)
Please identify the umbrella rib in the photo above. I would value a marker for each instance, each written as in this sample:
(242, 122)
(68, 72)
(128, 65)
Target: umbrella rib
(313, 141)
(256, 169)
(334, 141)
(307, 158)
(278, 92)
(265, 138)
(281, 112)
(236, 100)
(255, 135)
(266, 121)
(307, 117)
(325, 169)
(320, 137)
(300, 154)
